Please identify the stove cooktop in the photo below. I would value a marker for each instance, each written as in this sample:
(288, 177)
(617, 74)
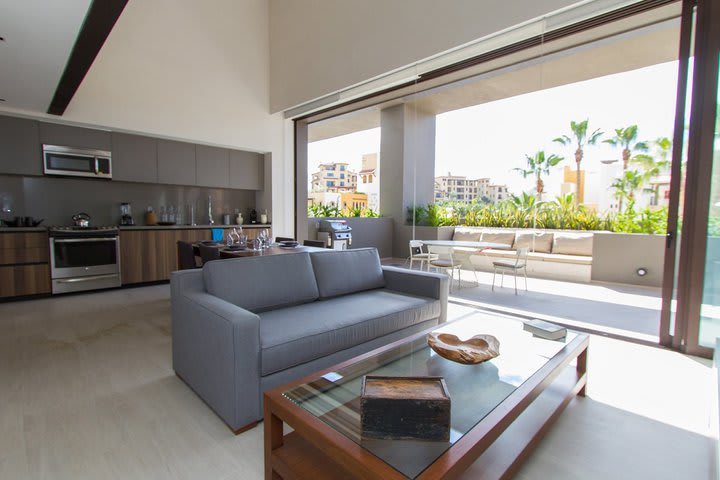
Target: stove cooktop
(69, 228)
(103, 230)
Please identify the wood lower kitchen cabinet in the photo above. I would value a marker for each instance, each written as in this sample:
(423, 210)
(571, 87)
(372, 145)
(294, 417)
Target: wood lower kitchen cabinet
(24, 264)
(150, 255)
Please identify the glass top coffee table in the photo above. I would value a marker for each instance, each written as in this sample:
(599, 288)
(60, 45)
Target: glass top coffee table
(499, 409)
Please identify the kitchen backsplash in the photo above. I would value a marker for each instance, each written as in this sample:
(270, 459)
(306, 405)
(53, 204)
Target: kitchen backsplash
(57, 199)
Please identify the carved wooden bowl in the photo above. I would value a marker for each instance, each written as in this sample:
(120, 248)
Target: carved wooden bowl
(477, 349)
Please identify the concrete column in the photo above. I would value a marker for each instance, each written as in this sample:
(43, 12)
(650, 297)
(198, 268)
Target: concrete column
(301, 175)
(407, 165)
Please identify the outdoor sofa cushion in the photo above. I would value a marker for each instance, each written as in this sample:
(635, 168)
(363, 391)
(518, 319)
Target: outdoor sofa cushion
(262, 283)
(290, 337)
(539, 257)
(541, 242)
(573, 259)
(467, 234)
(506, 237)
(339, 272)
(573, 243)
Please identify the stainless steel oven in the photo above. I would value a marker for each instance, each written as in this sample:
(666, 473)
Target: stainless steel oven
(84, 258)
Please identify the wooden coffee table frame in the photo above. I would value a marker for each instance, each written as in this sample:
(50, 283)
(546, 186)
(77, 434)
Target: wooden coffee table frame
(493, 449)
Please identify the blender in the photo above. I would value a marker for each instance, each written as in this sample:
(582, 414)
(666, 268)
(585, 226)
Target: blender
(126, 214)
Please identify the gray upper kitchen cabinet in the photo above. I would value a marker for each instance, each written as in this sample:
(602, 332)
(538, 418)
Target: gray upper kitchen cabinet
(212, 166)
(247, 170)
(67, 136)
(20, 150)
(135, 158)
(176, 162)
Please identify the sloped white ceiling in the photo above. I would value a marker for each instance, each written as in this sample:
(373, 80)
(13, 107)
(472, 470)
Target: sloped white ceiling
(39, 36)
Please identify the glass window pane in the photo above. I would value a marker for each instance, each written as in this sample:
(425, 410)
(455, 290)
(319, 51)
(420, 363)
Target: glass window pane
(710, 309)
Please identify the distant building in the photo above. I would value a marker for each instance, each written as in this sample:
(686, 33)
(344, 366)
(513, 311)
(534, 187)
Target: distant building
(334, 178)
(462, 189)
(569, 184)
(659, 192)
(610, 170)
(497, 193)
(368, 180)
(344, 201)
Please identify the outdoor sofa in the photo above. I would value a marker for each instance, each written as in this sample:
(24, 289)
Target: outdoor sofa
(243, 326)
(562, 255)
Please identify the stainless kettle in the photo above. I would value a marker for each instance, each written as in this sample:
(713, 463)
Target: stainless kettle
(81, 219)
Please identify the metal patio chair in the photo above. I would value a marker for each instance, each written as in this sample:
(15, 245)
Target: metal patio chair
(520, 263)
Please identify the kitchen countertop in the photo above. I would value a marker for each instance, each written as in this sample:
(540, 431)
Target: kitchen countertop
(190, 227)
(4, 229)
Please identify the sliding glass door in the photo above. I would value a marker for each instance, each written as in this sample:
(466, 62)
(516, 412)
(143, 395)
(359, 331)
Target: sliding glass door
(710, 306)
(691, 294)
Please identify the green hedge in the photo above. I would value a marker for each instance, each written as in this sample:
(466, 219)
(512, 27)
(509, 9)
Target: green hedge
(524, 212)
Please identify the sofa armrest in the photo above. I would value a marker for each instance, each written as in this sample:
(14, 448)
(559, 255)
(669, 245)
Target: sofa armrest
(422, 284)
(216, 351)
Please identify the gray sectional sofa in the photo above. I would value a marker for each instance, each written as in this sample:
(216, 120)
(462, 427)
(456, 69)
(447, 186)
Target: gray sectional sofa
(243, 326)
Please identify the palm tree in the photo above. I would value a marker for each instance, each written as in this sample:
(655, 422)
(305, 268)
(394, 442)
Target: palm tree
(539, 165)
(580, 137)
(654, 165)
(626, 139)
(625, 187)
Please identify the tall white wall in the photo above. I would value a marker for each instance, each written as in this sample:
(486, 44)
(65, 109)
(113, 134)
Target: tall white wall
(320, 46)
(195, 70)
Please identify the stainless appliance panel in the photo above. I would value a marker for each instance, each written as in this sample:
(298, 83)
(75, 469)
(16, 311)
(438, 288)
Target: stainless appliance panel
(84, 263)
(79, 284)
(67, 161)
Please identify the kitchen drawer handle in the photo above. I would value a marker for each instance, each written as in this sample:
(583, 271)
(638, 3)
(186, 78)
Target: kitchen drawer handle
(79, 240)
(86, 279)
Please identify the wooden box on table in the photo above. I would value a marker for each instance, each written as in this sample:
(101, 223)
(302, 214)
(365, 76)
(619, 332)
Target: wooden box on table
(405, 408)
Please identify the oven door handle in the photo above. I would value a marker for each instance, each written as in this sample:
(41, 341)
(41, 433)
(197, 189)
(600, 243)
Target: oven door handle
(79, 240)
(85, 279)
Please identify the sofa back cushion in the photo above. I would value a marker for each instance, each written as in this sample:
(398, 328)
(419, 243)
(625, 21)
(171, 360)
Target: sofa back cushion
(506, 237)
(262, 283)
(467, 234)
(339, 272)
(573, 243)
(540, 242)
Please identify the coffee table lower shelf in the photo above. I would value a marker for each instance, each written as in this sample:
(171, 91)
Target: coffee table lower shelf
(294, 457)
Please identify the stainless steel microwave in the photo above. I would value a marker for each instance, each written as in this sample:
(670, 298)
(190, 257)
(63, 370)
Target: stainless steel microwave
(76, 162)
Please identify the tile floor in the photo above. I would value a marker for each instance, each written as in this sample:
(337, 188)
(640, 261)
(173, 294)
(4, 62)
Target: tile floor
(87, 391)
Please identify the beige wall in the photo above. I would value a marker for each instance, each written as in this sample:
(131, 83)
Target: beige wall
(320, 46)
(617, 256)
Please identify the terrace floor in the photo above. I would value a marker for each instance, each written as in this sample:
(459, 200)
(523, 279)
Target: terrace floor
(612, 308)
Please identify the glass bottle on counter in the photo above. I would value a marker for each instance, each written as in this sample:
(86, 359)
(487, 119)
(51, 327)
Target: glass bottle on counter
(191, 214)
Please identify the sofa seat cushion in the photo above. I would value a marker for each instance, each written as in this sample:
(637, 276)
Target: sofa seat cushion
(262, 283)
(570, 243)
(293, 336)
(540, 257)
(540, 242)
(574, 259)
(340, 272)
(506, 237)
(467, 234)
(466, 250)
